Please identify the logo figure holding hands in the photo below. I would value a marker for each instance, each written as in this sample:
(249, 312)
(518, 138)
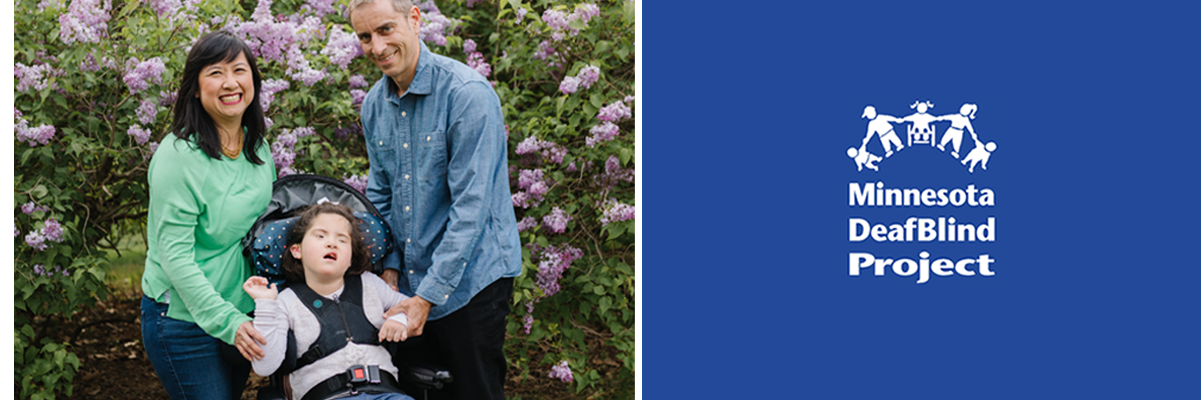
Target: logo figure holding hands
(959, 122)
(881, 125)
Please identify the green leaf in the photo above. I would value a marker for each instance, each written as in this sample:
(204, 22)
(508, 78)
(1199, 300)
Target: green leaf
(39, 191)
(624, 155)
(515, 4)
(629, 13)
(605, 303)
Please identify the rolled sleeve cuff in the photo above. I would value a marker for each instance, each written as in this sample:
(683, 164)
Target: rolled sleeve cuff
(434, 292)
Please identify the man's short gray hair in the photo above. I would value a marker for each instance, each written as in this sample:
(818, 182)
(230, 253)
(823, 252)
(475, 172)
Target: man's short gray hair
(401, 6)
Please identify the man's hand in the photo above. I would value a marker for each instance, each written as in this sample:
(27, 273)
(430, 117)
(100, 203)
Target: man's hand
(259, 288)
(417, 309)
(393, 331)
(390, 276)
(245, 340)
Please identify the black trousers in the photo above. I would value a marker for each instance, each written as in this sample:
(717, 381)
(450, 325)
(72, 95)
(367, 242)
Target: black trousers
(469, 343)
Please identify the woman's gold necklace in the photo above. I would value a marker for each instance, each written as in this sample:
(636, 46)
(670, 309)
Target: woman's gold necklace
(232, 153)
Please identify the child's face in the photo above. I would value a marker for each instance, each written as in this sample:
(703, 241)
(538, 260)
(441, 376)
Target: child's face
(325, 250)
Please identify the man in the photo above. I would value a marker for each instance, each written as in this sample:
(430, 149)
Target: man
(439, 175)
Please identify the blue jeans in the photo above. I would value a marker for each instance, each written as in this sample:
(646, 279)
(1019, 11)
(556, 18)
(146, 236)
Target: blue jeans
(190, 363)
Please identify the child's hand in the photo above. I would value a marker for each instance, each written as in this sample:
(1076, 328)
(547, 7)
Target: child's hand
(260, 289)
(393, 331)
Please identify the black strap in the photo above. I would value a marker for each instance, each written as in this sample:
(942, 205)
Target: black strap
(337, 385)
(342, 321)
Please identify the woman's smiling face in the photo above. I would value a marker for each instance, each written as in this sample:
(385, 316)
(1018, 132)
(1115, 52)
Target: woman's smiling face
(226, 89)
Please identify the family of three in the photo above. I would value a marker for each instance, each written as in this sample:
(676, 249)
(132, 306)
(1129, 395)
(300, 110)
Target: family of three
(438, 175)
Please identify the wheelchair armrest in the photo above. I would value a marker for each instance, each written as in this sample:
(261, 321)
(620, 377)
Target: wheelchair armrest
(425, 376)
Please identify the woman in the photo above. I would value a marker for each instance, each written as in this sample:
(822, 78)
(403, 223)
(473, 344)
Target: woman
(209, 179)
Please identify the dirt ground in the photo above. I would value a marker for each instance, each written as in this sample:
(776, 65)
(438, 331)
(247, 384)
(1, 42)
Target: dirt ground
(108, 340)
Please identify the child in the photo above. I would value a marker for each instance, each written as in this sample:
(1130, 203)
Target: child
(863, 158)
(333, 308)
(979, 154)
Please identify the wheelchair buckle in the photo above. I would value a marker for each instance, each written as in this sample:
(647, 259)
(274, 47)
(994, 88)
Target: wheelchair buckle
(358, 374)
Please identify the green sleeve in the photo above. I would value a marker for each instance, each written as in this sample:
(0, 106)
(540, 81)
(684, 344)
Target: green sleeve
(178, 206)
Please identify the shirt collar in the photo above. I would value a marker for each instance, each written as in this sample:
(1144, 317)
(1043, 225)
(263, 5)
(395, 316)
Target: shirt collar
(422, 83)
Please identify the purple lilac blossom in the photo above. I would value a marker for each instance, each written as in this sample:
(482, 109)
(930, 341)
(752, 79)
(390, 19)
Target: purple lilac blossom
(342, 47)
(310, 77)
(604, 132)
(528, 177)
(304, 131)
(53, 230)
(556, 20)
(528, 320)
(286, 139)
(545, 51)
(166, 99)
(86, 21)
(585, 12)
(40, 270)
(32, 76)
(561, 371)
(552, 261)
(357, 96)
(476, 62)
(268, 122)
(556, 221)
(628, 99)
(139, 135)
(38, 136)
(89, 64)
(143, 73)
(616, 212)
(569, 85)
(358, 182)
(164, 8)
(283, 158)
(588, 75)
(320, 7)
(357, 81)
(615, 112)
(571, 167)
(521, 13)
(468, 46)
(153, 148)
(524, 224)
(434, 27)
(35, 240)
(147, 113)
(269, 88)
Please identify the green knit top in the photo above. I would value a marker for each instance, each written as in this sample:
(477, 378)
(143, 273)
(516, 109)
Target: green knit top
(200, 208)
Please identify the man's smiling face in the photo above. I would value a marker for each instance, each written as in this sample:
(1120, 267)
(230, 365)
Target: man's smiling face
(389, 38)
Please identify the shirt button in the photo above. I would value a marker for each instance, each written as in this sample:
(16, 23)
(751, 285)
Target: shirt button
(446, 296)
(410, 272)
(402, 113)
(464, 264)
(409, 240)
(406, 176)
(381, 143)
(427, 138)
(406, 145)
(406, 208)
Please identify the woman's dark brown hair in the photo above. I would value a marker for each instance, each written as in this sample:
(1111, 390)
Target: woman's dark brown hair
(360, 260)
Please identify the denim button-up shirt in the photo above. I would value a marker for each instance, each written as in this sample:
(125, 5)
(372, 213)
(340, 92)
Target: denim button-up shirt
(439, 175)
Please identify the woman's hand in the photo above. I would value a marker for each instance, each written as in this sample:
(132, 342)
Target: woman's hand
(259, 288)
(247, 341)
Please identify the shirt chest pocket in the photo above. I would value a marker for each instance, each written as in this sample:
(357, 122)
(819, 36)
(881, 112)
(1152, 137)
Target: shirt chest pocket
(432, 155)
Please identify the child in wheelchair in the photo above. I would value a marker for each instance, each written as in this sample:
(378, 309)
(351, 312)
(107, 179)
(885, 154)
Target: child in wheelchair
(325, 330)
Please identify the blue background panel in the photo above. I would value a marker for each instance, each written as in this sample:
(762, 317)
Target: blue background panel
(748, 110)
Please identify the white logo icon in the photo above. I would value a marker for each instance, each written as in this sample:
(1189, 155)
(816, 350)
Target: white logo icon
(921, 130)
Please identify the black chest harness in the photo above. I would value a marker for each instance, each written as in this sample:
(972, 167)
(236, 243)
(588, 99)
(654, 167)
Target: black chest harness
(342, 321)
